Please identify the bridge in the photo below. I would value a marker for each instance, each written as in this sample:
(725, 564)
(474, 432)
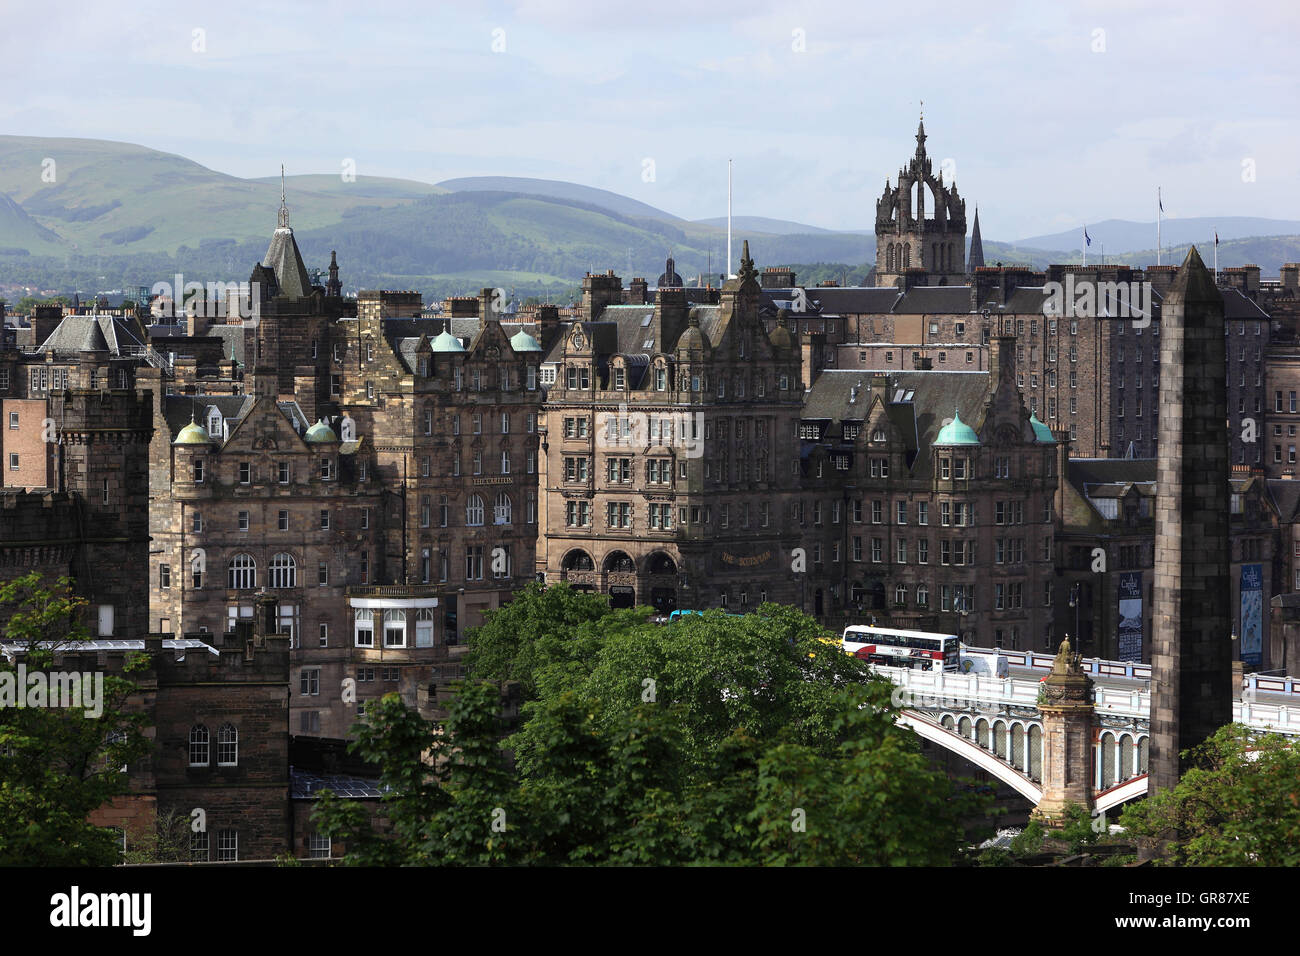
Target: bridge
(997, 724)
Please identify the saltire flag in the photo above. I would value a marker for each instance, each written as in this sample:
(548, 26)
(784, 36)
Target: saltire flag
(1087, 238)
(1159, 200)
(1216, 237)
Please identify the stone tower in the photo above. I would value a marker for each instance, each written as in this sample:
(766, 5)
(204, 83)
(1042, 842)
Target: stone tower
(1191, 672)
(1065, 702)
(906, 238)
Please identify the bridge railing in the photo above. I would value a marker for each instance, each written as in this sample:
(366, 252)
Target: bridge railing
(1094, 666)
(1272, 685)
(1277, 717)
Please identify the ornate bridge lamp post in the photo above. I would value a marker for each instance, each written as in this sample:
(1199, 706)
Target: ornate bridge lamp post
(1066, 704)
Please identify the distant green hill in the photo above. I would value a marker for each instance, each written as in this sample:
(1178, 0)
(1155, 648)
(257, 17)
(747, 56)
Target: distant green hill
(115, 215)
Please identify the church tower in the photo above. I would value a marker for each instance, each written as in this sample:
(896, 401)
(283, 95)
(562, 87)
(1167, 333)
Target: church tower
(907, 239)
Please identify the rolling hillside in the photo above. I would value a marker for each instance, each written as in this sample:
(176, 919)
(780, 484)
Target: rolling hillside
(115, 215)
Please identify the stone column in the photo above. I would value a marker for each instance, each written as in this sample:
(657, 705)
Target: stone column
(1065, 702)
(1191, 663)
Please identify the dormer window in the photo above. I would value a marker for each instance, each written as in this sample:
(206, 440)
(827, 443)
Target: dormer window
(878, 435)
(214, 423)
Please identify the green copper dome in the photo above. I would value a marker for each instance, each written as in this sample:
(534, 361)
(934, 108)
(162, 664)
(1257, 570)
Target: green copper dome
(446, 342)
(320, 432)
(521, 341)
(192, 434)
(957, 432)
(1041, 431)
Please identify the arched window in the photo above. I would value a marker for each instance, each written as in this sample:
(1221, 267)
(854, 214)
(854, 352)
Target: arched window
(365, 627)
(889, 257)
(395, 628)
(198, 746)
(502, 512)
(242, 572)
(907, 255)
(424, 627)
(284, 571)
(474, 511)
(227, 746)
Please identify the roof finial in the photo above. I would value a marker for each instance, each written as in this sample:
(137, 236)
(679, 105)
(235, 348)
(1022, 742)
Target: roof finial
(282, 220)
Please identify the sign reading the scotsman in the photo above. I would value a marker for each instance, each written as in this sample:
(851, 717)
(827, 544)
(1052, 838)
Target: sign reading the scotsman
(1130, 616)
(732, 561)
(1252, 611)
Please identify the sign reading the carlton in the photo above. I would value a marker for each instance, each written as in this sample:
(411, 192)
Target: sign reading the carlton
(1130, 616)
(1252, 614)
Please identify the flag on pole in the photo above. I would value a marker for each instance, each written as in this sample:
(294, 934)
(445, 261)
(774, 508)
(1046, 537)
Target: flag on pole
(1159, 200)
(1216, 237)
(1086, 238)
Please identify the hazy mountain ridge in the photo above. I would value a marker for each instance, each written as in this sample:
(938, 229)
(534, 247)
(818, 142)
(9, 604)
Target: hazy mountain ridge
(117, 214)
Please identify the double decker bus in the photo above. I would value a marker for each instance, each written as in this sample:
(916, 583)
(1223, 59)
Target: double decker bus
(895, 648)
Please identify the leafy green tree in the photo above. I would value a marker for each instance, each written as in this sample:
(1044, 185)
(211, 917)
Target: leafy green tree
(1239, 804)
(58, 765)
(718, 739)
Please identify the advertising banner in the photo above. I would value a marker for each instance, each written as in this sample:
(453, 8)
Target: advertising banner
(1130, 616)
(1252, 614)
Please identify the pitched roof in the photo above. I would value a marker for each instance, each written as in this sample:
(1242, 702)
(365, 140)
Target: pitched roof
(233, 336)
(935, 396)
(92, 333)
(179, 410)
(934, 300)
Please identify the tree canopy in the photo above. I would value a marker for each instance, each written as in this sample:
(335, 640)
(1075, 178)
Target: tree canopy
(1238, 805)
(57, 764)
(715, 739)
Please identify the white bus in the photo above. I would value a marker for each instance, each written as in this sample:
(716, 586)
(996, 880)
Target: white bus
(896, 648)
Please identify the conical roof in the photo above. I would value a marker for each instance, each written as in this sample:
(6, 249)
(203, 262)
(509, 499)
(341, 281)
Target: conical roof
(956, 432)
(284, 259)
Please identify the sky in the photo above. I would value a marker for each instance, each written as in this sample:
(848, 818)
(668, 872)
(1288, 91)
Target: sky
(1050, 115)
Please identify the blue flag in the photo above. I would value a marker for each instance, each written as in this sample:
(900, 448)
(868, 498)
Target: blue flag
(1087, 238)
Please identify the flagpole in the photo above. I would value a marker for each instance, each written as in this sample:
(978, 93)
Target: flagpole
(728, 272)
(1160, 215)
(1216, 257)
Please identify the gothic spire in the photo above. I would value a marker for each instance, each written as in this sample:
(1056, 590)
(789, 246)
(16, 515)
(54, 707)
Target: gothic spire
(976, 257)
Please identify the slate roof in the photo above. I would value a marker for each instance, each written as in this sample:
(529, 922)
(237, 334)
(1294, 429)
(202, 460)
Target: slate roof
(1237, 306)
(1101, 471)
(1286, 496)
(934, 300)
(177, 409)
(935, 396)
(284, 259)
(92, 333)
(234, 340)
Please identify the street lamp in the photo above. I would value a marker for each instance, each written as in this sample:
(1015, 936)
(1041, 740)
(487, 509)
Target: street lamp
(1074, 603)
(960, 605)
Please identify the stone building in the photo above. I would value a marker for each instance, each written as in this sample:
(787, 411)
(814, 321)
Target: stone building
(669, 450)
(86, 514)
(1106, 558)
(926, 502)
